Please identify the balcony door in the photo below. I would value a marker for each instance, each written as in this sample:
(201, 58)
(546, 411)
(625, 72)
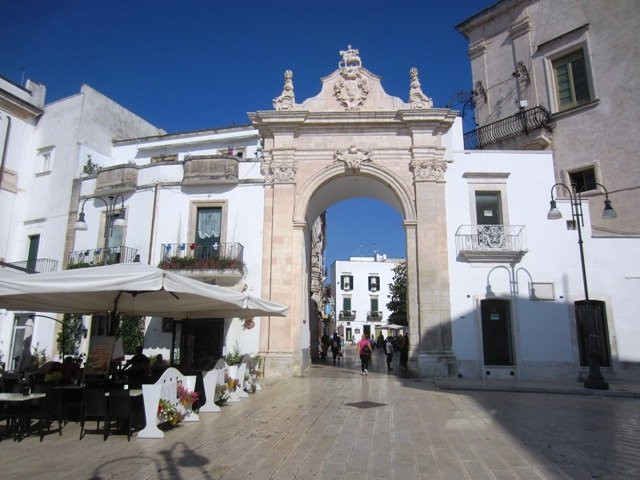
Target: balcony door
(34, 243)
(208, 231)
(496, 332)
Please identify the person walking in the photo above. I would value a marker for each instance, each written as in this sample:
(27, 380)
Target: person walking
(364, 349)
(388, 348)
(404, 352)
(336, 347)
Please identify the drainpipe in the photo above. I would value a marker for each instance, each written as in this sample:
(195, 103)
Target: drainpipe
(5, 148)
(153, 221)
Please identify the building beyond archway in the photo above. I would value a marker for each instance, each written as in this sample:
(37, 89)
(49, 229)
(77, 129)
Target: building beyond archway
(350, 140)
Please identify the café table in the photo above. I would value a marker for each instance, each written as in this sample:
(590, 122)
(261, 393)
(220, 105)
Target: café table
(19, 400)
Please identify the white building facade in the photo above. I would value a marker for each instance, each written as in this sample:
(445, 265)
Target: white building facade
(360, 289)
(493, 286)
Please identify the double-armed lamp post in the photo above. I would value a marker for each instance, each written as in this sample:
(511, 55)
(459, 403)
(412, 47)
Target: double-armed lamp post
(114, 219)
(595, 379)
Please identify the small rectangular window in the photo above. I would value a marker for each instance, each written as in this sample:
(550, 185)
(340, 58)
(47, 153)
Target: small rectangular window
(346, 282)
(584, 180)
(374, 283)
(572, 83)
(44, 160)
(346, 304)
(488, 208)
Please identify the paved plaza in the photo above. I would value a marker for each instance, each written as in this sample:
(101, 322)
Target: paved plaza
(337, 424)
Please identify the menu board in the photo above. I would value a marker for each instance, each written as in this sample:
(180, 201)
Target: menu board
(99, 357)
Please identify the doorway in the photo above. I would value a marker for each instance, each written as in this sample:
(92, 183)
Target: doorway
(197, 344)
(496, 332)
(601, 332)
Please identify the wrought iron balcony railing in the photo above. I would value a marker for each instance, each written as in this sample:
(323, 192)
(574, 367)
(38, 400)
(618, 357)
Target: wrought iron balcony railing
(374, 316)
(519, 124)
(101, 256)
(491, 243)
(192, 256)
(347, 314)
(40, 265)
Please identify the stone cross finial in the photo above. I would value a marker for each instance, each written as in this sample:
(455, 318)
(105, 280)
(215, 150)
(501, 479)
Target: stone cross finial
(287, 98)
(417, 98)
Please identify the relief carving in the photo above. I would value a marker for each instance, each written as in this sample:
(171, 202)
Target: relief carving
(417, 98)
(287, 99)
(352, 88)
(275, 172)
(352, 157)
(429, 170)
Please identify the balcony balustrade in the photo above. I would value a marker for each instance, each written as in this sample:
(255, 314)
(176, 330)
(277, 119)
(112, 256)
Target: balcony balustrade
(348, 315)
(210, 169)
(102, 256)
(40, 265)
(374, 316)
(491, 243)
(204, 260)
(118, 179)
(536, 119)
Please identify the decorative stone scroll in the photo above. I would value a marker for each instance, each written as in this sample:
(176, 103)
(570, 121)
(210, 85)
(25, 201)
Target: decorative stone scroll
(429, 170)
(352, 157)
(287, 99)
(278, 172)
(417, 98)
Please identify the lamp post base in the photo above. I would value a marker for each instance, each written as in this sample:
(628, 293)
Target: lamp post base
(595, 380)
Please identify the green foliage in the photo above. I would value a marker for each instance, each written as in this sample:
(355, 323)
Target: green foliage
(70, 334)
(131, 331)
(235, 357)
(398, 292)
(191, 263)
(90, 168)
(39, 357)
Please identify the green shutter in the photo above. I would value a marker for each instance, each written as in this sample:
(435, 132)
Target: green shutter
(374, 304)
(346, 304)
(572, 83)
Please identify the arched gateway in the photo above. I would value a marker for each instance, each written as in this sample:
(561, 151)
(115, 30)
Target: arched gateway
(351, 140)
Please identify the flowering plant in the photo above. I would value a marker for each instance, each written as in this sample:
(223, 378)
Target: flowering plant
(221, 394)
(167, 412)
(187, 398)
(231, 383)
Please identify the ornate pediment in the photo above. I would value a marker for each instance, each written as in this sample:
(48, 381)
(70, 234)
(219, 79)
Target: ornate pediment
(352, 158)
(351, 88)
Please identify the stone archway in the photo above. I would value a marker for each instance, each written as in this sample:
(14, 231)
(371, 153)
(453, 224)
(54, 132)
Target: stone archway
(353, 130)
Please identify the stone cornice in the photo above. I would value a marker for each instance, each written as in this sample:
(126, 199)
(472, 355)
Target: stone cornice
(19, 107)
(488, 15)
(519, 27)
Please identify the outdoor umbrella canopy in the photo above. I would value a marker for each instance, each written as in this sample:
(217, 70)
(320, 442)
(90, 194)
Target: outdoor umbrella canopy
(132, 289)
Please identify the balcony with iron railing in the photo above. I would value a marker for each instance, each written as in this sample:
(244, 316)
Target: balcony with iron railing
(102, 256)
(39, 265)
(534, 124)
(222, 262)
(348, 315)
(491, 243)
(374, 316)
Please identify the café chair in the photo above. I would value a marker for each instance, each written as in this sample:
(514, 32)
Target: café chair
(93, 406)
(119, 408)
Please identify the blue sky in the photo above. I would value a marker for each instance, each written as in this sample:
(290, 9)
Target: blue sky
(188, 65)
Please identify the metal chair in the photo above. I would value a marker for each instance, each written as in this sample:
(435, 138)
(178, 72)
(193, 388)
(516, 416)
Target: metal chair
(119, 408)
(94, 406)
(50, 409)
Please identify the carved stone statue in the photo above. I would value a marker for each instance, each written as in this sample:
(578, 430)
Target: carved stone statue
(287, 98)
(417, 98)
(350, 58)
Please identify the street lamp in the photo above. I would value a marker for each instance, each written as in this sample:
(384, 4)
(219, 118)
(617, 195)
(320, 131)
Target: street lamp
(595, 379)
(113, 220)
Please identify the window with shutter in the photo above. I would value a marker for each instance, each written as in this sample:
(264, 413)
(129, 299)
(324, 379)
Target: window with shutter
(572, 82)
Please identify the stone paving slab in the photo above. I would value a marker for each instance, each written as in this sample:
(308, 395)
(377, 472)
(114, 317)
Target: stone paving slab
(336, 424)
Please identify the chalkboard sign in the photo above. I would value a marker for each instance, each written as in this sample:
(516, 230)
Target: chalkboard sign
(99, 357)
